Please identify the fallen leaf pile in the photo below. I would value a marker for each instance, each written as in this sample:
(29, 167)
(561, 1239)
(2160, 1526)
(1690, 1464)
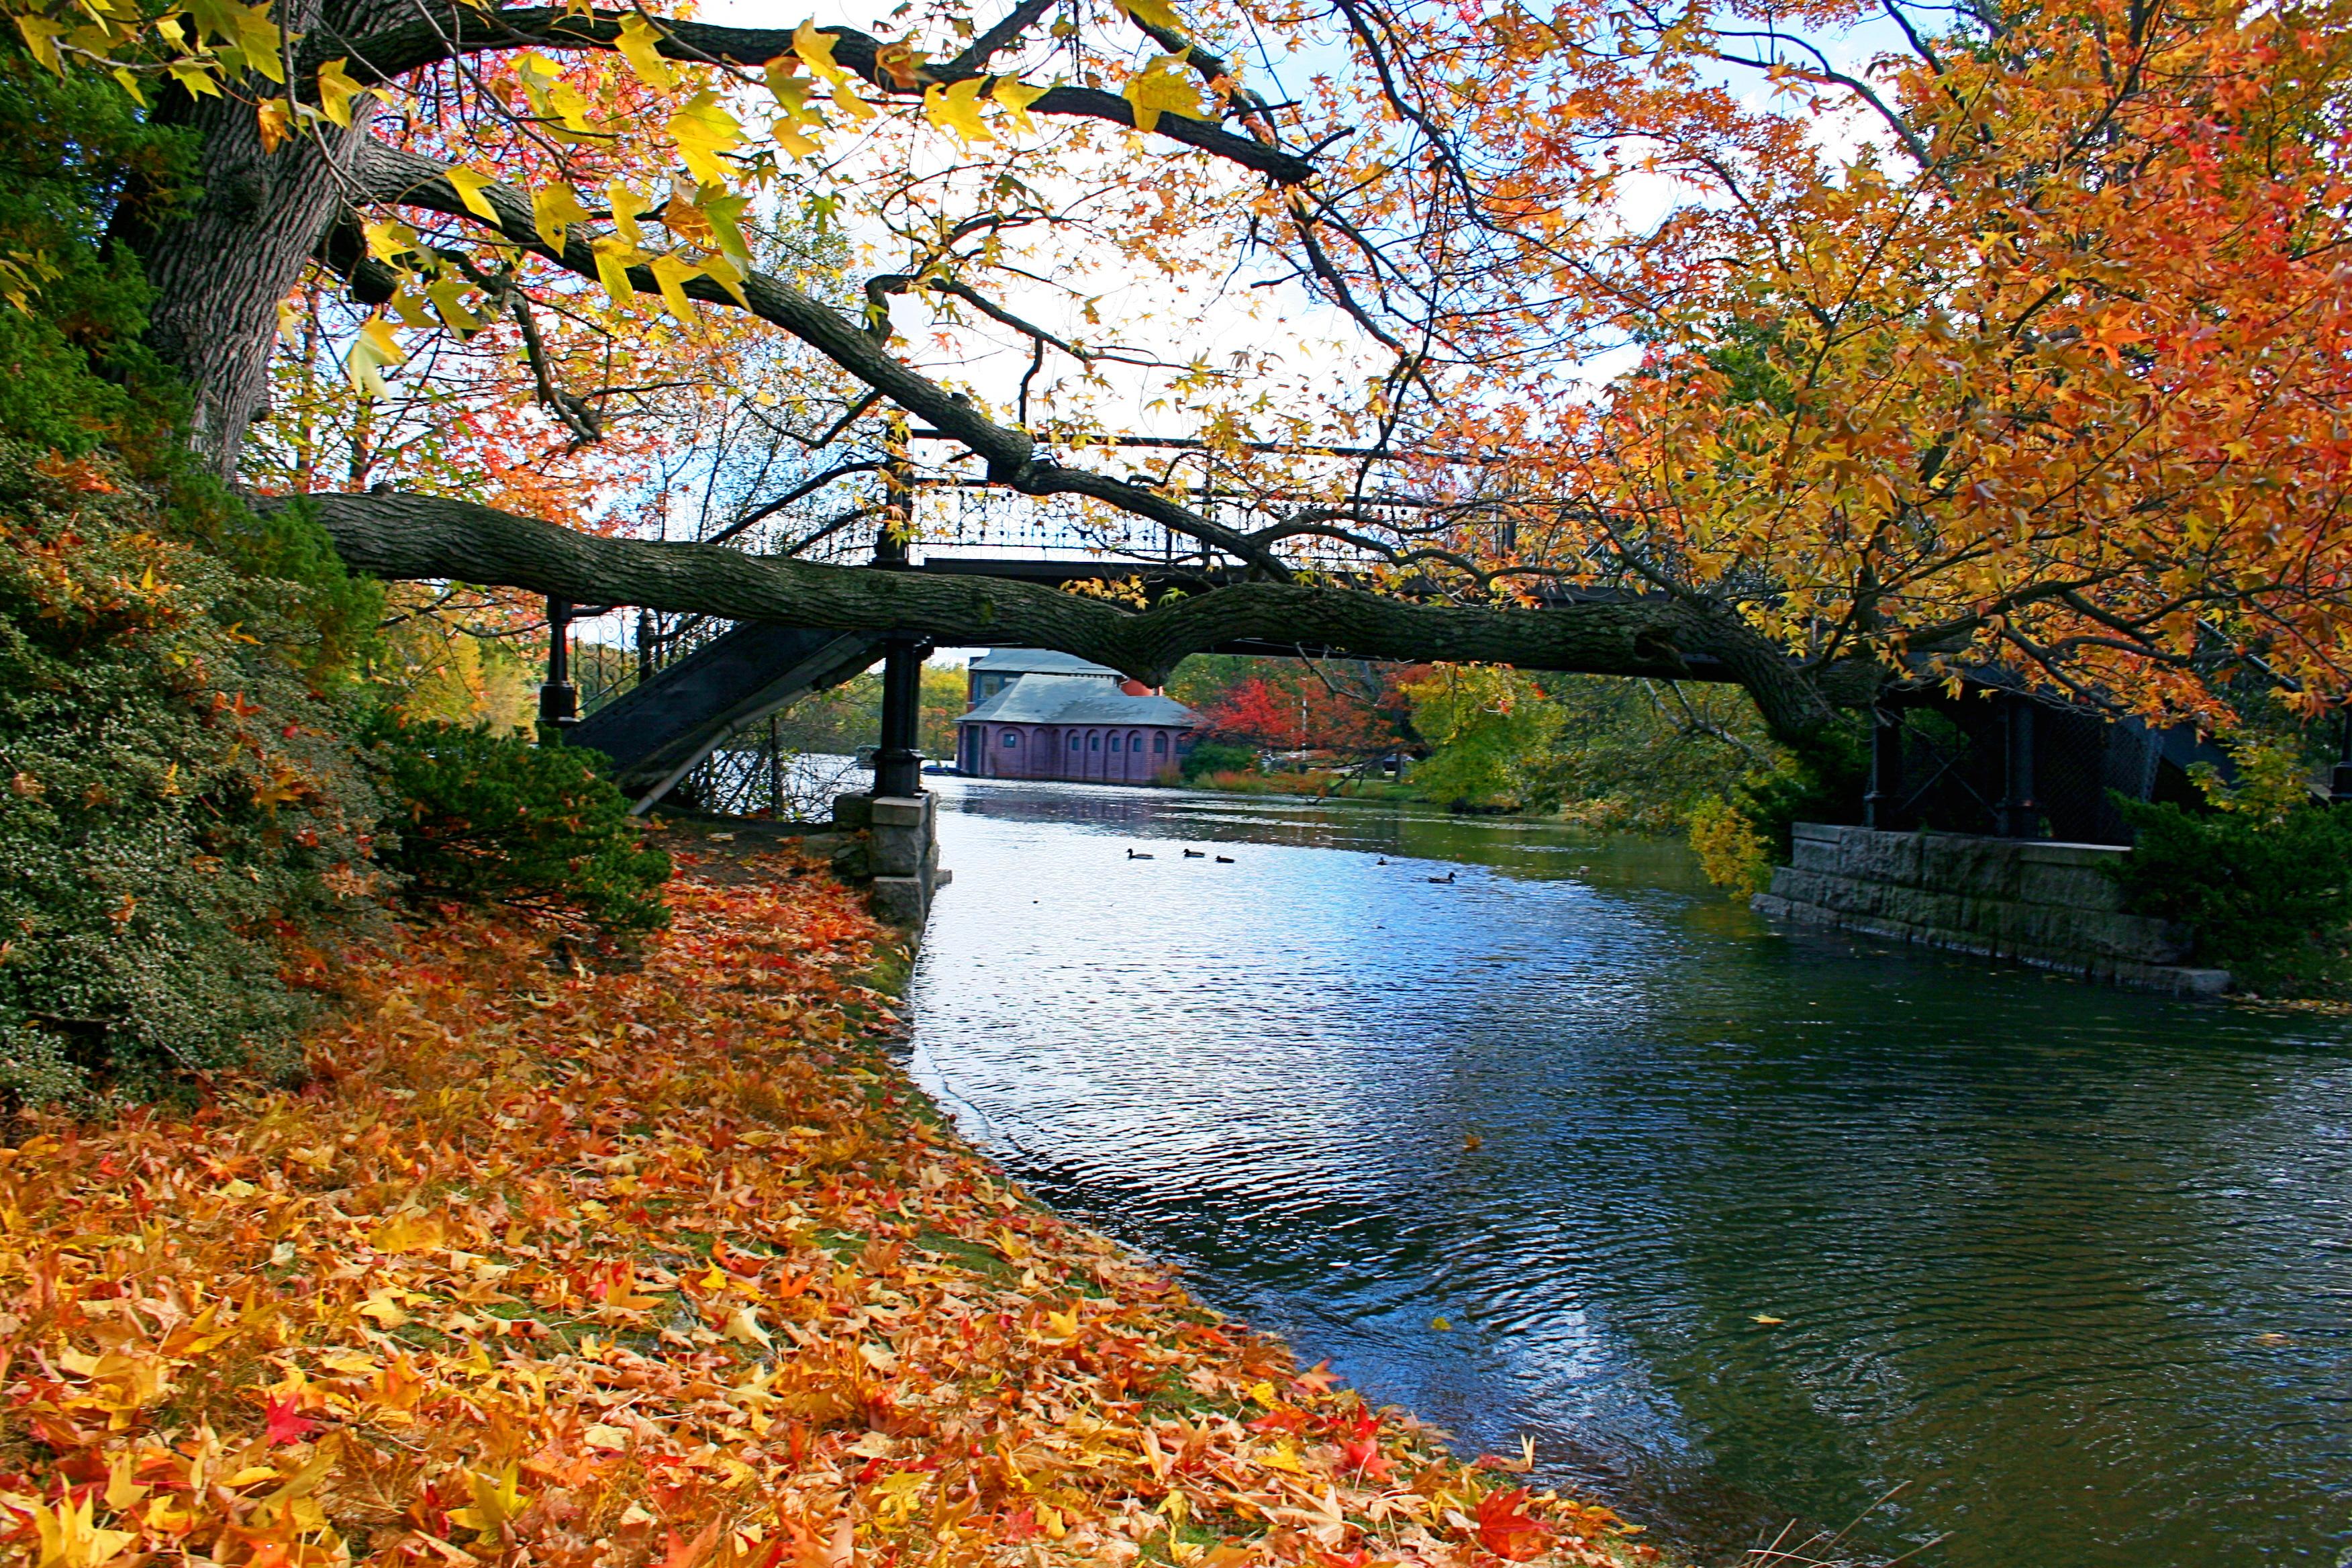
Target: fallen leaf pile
(665, 1267)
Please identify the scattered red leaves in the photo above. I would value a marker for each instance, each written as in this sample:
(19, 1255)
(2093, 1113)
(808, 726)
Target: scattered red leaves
(662, 1268)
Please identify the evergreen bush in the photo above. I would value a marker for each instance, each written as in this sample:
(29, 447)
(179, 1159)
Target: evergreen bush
(2268, 894)
(487, 819)
(180, 825)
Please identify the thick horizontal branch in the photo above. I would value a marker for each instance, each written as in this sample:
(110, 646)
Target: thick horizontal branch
(386, 174)
(435, 539)
(463, 30)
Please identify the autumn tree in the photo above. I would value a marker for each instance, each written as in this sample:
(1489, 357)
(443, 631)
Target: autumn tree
(2020, 343)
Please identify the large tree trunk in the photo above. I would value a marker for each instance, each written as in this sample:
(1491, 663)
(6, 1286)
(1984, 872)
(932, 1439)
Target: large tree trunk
(220, 269)
(422, 537)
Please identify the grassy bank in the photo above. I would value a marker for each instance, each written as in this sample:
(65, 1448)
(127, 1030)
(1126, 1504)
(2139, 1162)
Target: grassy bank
(1323, 785)
(661, 1265)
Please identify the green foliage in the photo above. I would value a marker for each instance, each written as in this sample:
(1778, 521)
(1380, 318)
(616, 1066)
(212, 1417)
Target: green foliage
(1640, 756)
(1494, 732)
(1218, 757)
(73, 372)
(2269, 893)
(487, 819)
(179, 821)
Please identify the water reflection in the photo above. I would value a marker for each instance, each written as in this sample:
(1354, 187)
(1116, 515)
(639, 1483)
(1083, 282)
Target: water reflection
(2071, 1262)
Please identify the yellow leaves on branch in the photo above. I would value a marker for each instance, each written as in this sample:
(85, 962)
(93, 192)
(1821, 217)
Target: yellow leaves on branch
(704, 130)
(955, 109)
(638, 43)
(373, 351)
(664, 1267)
(1164, 86)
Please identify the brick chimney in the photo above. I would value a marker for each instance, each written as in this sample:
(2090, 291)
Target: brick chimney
(1134, 688)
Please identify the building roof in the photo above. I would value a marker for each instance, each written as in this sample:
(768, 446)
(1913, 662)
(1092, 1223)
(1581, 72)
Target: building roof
(1038, 661)
(1076, 700)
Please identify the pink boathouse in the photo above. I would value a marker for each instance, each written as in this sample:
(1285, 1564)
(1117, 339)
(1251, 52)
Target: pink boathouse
(1041, 715)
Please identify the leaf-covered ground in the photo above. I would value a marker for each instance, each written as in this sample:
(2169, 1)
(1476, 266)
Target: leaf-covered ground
(668, 1267)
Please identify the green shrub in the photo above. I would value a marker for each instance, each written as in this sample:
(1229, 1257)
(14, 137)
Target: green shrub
(486, 819)
(1218, 757)
(2269, 895)
(180, 821)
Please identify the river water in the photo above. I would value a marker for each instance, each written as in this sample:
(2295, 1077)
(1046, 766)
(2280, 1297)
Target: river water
(1535, 1152)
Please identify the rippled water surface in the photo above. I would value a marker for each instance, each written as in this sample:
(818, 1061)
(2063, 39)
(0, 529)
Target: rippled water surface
(2075, 1264)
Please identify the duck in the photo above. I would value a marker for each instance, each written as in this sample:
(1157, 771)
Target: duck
(1382, 862)
(1447, 877)
(1139, 854)
(1195, 855)
(1224, 860)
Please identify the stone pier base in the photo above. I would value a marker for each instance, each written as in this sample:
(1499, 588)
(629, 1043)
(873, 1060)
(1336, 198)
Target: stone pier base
(894, 852)
(2049, 905)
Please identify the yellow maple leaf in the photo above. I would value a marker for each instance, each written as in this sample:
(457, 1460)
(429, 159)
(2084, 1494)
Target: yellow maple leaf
(703, 129)
(669, 272)
(1163, 87)
(448, 297)
(957, 110)
(627, 203)
(1152, 13)
(389, 241)
(372, 349)
(1016, 96)
(384, 1308)
(497, 1498)
(814, 50)
(336, 91)
(743, 1325)
(613, 260)
(69, 1539)
(638, 43)
(791, 91)
(41, 37)
(723, 271)
(469, 185)
(554, 210)
(407, 1232)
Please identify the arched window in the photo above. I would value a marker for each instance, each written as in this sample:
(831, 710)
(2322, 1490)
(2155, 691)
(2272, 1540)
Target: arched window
(1094, 742)
(1011, 738)
(1074, 743)
(1134, 741)
(1159, 743)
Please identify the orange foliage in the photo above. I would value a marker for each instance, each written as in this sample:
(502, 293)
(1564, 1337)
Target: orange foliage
(669, 1265)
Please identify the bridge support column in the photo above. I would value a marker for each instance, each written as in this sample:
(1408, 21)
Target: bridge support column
(559, 700)
(2021, 814)
(898, 763)
(1879, 805)
(2339, 790)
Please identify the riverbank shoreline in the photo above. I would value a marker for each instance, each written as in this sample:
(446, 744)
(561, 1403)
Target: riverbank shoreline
(664, 1259)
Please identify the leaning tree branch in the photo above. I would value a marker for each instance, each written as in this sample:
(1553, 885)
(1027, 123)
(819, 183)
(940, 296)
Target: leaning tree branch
(431, 538)
(385, 174)
(392, 51)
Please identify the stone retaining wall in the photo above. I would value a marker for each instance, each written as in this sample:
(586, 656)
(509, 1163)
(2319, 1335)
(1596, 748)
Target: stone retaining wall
(2050, 905)
(894, 853)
